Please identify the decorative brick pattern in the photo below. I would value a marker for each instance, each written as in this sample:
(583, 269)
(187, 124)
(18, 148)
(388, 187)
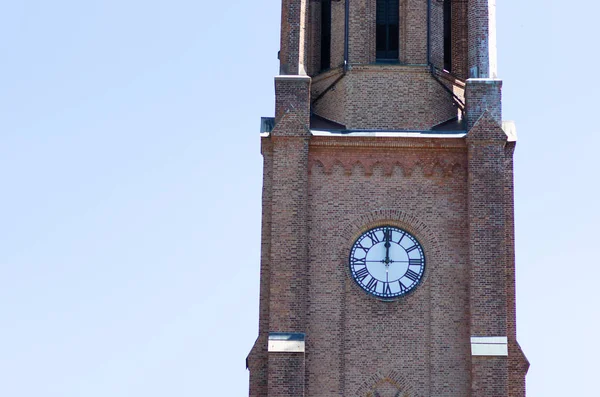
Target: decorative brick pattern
(392, 384)
(365, 161)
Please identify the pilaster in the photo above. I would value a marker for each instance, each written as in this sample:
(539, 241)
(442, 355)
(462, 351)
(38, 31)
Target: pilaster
(483, 95)
(294, 37)
(486, 143)
(289, 232)
(482, 58)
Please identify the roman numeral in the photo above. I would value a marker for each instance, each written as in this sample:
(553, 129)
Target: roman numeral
(359, 245)
(373, 237)
(359, 261)
(414, 247)
(411, 275)
(386, 289)
(402, 287)
(402, 234)
(387, 235)
(361, 274)
(416, 262)
(372, 285)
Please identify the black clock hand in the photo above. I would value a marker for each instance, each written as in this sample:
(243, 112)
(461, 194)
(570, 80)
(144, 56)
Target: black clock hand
(386, 238)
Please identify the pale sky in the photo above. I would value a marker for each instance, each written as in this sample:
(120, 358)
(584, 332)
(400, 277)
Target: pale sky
(131, 181)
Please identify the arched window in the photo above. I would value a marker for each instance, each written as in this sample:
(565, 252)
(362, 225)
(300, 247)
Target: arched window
(387, 32)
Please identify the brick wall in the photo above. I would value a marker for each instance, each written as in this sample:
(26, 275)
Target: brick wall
(314, 39)
(483, 95)
(333, 105)
(459, 40)
(455, 196)
(396, 97)
(337, 33)
(478, 17)
(290, 37)
(489, 299)
(353, 338)
(388, 97)
(437, 34)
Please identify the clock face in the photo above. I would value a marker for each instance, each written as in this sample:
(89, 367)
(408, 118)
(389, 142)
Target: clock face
(387, 262)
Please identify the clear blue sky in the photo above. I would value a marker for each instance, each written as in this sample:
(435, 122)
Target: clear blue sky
(131, 180)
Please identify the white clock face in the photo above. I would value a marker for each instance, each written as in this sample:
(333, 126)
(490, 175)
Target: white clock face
(387, 262)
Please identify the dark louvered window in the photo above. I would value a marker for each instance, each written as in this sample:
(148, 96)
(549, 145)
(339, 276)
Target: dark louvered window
(387, 30)
(325, 34)
(448, 35)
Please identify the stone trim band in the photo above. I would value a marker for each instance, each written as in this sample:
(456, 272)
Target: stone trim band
(489, 346)
(286, 342)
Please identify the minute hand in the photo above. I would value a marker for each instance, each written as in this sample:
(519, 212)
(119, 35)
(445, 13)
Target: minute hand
(387, 246)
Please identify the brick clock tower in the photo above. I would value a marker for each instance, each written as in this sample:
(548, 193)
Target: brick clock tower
(387, 264)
